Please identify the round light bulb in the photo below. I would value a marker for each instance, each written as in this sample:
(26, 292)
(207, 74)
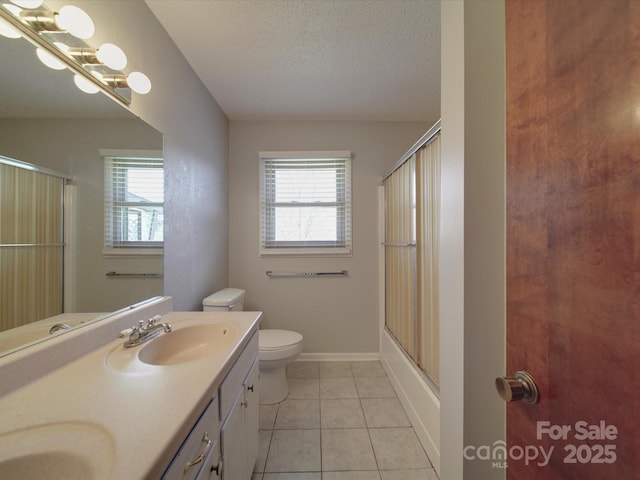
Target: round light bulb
(85, 85)
(49, 60)
(8, 30)
(139, 82)
(12, 8)
(28, 3)
(61, 46)
(112, 56)
(75, 21)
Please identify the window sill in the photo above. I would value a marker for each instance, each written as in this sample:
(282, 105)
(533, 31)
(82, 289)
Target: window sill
(305, 252)
(132, 252)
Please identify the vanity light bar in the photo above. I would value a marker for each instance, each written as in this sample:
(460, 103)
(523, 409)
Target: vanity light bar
(85, 60)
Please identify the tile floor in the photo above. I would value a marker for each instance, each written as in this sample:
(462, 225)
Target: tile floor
(341, 421)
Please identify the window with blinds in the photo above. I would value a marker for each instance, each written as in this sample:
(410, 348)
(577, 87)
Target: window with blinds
(134, 204)
(305, 203)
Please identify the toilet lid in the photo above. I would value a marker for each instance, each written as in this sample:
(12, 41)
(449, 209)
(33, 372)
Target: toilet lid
(272, 339)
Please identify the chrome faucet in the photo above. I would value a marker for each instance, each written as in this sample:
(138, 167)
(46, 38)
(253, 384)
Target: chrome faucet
(142, 332)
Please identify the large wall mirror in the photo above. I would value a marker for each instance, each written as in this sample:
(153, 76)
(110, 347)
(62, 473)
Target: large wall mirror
(47, 122)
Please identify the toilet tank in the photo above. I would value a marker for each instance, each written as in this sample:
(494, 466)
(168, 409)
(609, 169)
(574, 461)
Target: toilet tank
(227, 299)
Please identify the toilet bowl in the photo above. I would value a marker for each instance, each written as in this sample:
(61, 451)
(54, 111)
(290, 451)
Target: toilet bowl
(276, 348)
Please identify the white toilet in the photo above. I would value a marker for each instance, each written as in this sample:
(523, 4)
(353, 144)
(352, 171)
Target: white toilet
(276, 348)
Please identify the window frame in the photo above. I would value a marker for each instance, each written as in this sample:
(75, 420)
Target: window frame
(342, 245)
(112, 246)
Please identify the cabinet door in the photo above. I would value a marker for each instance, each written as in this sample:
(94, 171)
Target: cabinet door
(232, 441)
(251, 424)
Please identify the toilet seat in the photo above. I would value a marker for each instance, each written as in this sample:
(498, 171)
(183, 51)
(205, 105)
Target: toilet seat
(274, 344)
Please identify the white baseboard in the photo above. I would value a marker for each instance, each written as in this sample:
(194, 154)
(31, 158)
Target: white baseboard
(420, 402)
(338, 357)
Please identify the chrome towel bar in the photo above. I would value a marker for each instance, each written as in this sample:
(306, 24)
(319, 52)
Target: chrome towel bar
(133, 275)
(340, 273)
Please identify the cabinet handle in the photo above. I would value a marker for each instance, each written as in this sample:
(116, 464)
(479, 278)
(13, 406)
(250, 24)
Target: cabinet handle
(200, 458)
(250, 388)
(217, 468)
(244, 404)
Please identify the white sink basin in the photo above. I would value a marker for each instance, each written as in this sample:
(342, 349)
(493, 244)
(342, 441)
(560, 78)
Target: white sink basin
(188, 342)
(57, 450)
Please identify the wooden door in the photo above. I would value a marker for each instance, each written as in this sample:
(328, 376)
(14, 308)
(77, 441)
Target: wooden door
(573, 236)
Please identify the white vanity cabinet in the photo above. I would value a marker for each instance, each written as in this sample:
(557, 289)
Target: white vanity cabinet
(239, 414)
(230, 452)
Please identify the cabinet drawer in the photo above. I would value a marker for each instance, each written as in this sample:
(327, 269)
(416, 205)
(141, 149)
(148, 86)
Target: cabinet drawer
(197, 447)
(237, 374)
(212, 469)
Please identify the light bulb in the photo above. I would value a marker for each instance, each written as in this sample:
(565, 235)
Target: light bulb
(85, 85)
(8, 30)
(112, 56)
(28, 3)
(139, 82)
(12, 8)
(61, 46)
(75, 21)
(49, 60)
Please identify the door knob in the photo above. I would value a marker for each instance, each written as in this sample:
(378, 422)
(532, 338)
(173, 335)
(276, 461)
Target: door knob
(521, 386)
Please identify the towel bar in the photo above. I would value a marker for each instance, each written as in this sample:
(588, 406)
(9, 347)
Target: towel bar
(340, 273)
(133, 275)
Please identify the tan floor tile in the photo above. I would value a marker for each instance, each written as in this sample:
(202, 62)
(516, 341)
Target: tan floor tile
(368, 369)
(374, 387)
(298, 414)
(293, 476)
(263, 449)
(304, 388)
(347, 449)
(341, 413)
(303, 370)
(345, 418)
(335, 369)
(419, 474)
(267, 415)
(338, 388)
(384, 412)
(370, 475)
(398, 448)
(294, 451)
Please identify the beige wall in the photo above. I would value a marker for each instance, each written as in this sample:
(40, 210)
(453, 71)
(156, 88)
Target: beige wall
(335, 315)
(196, 133)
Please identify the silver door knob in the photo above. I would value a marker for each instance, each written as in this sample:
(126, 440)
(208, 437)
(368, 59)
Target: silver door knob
(521, 386)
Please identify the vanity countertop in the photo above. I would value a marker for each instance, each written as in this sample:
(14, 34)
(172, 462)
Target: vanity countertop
(136, 418)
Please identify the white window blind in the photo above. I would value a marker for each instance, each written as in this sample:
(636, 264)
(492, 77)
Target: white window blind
(305, 203)
(134, 204)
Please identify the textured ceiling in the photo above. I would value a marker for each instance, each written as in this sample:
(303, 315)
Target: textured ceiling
(376, 60)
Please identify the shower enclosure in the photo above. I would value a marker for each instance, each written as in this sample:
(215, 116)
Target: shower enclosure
(411, 231)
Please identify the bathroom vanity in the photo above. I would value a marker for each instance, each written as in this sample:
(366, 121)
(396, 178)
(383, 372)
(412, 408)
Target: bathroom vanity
(181, 405)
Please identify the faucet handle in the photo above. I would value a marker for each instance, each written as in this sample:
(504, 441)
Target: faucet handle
(126, 332)
(152, 321)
